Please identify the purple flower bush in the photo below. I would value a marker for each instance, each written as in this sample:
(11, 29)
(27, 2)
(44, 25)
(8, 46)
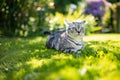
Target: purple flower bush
(94, 7)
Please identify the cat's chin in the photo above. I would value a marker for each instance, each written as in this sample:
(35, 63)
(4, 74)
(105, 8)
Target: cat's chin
(76, 37)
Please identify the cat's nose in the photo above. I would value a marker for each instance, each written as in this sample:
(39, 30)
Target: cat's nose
(78, 31)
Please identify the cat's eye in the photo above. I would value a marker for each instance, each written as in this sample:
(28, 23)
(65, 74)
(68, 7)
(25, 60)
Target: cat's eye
(74, 28)
(69, 28)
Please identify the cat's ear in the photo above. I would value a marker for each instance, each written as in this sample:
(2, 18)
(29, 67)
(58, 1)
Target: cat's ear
(67, 23)
(83, 22)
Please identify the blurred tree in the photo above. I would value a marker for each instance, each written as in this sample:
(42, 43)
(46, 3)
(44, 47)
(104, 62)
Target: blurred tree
(113, 1)
(12, 15)
(115, 15)
(118, 17)
(23, 17)
(61, 5)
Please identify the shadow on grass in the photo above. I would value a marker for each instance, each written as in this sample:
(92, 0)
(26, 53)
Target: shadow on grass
(29, 59)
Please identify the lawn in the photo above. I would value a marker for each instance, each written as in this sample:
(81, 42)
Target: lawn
(28, 59)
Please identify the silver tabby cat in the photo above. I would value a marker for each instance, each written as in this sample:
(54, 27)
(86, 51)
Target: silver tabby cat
(69, 40)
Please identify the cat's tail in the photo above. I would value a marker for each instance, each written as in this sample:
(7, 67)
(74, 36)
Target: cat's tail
(47, 32)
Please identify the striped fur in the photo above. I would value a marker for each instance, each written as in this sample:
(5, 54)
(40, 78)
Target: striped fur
(69, 40)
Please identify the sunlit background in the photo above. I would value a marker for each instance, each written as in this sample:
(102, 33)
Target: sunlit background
(34, 17)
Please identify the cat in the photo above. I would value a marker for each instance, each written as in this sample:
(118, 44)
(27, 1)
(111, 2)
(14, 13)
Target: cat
(69, 40)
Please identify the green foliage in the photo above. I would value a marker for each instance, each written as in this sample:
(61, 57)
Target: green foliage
(29, 59)
(64, 3)
(29, 17)
(57, 20)
(113, 1)
(11, 14)
(23, 18)
(20, 17)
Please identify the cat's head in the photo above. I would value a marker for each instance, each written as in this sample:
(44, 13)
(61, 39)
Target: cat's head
(75, 29)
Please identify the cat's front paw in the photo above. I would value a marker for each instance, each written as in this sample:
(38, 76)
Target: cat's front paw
(66, 51)
(70, 51)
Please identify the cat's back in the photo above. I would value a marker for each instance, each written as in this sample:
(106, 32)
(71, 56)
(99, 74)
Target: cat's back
(55, 38)
(58, 33)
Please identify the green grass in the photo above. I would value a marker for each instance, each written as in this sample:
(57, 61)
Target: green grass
(28, 59)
